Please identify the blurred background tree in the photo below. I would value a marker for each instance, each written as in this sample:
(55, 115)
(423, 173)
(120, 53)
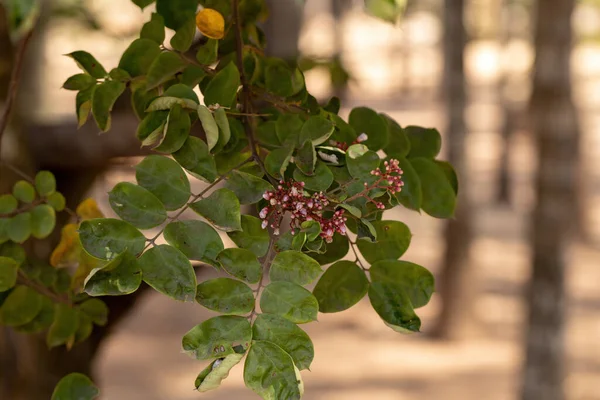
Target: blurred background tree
(466, 67)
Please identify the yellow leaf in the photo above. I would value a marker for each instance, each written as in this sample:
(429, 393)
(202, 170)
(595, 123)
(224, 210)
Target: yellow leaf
(88, 209)
(67, 251)
(211, 23)
(86, 264)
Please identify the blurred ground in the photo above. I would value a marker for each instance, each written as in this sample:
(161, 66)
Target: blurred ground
(357, 356)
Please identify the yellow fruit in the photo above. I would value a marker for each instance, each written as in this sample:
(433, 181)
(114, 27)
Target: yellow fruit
(211, 23)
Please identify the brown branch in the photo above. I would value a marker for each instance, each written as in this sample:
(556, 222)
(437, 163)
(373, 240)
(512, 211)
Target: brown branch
(24, 280)
(14, 83)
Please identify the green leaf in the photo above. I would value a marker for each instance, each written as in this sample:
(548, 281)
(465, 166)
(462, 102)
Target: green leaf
(140, 55)
(196, 239)
(394, 308)
(281, 80)
(414, 279)
(306, 158)
(366, 230)
(241, 263)
(192, 75)
(248, 188)
(79, 82)
(83, 105)
(120, 276)
(184, 37)
(66, 322)
(252, 236)
(226, 216)
(211, 129)
(317, 129)
(270, 372)
(399, 287)
(360, 167)
(224, 129)
(207, 53)
(312, 229)
(399, 145)
(57, 201)
(177, 130)
(143, 3)
(277, 161)
(154, 29)
(290, 301)
(84, 328)
(165, 179)
(104, 238)
(43, 220)
(450, 174)
(14, 251)
(424, 142)
(43, 319)
(226, 296)
(119, 74)
(45, 183)
(21, 306)
(334, 251)
(217, 337)
(169, 271)
(212, 376)
(163, 68)
(387, 10)
(365, 120)
(411, 195)
(195, 157)
(168, 102)
(24, 191)
(103, 99)
(286, 335)
(223, 87)
(89, 64)
(293, 266)
(393, 239)
(288, 128)
(96, 310)
(137, 205)
(9, 269)
(8, 203)
(266, 133)
(151, 128)
(18, 227)
(439, 198)
(76, 386)
(22, 16)
(342, 285)
(320, 181)
(176, 12)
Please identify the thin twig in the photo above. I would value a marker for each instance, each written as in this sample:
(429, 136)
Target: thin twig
(24, 280)
(266, 261)
(14, 83)
(195, 198)
(360, 263)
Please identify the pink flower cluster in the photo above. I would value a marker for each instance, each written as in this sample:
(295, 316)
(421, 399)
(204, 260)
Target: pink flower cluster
(344, 146)
(290, 197)
(392, 175)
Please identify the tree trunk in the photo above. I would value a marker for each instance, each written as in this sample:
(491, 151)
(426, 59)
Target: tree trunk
(283, 29)
(458, 230)
(554, 123)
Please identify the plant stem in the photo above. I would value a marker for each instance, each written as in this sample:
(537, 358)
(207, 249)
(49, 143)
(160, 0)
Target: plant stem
(14, 83)
(24, 280)
(195, 197)
(266, 261)
(360, 263)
